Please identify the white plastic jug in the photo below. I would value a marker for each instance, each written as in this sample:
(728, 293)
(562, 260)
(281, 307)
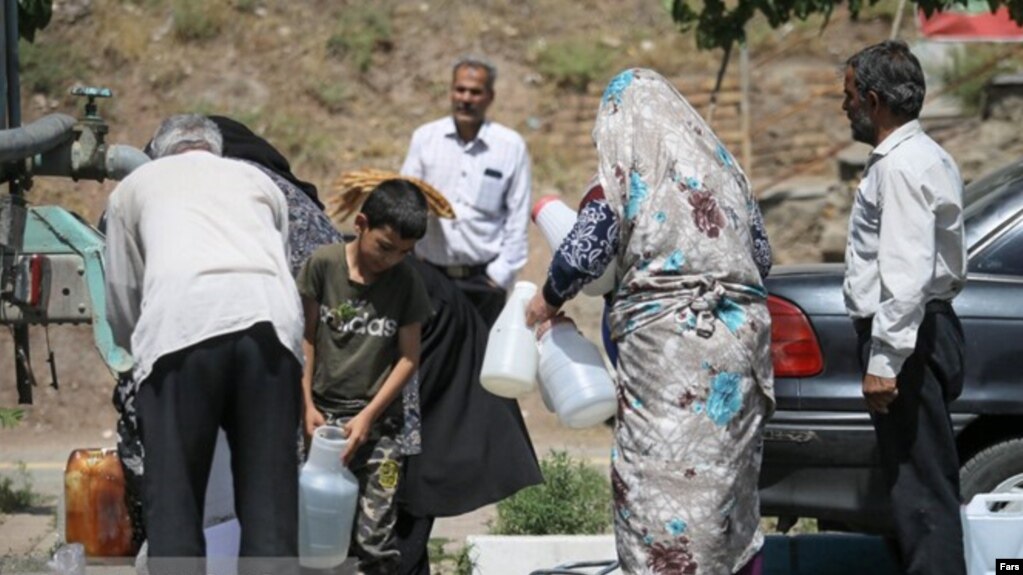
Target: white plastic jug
(327, 496)
(509, 365)
(992, 531)
(575, 381)
(555, 219)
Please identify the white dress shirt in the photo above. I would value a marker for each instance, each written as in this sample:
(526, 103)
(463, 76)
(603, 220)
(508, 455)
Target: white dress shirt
(487, 182)
(906, 245)
(196, 247)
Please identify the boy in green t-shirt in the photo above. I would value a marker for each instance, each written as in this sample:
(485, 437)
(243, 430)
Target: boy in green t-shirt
(364, 308)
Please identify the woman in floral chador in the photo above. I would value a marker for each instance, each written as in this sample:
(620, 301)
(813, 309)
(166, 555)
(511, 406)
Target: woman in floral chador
(690, 319)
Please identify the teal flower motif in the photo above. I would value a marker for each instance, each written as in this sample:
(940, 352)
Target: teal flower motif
(616, 87)
(676, 527)
(648, 539)
(637, 404)
(725, 397)
(675, 261)
(698, 407)
(723, 156)
(660, 217)
(624, 513)
(638, 192)
(731, 314)
(692, 183)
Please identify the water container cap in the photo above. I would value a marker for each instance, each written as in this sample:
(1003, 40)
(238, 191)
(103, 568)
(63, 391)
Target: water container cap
(541, 204)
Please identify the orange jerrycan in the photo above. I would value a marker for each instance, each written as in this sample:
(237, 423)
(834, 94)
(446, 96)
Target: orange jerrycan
(96, 511)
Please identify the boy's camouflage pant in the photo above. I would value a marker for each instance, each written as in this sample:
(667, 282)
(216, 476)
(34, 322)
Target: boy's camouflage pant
(377, 465)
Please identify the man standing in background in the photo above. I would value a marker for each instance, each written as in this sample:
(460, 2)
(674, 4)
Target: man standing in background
(483, 170)
(905, 262)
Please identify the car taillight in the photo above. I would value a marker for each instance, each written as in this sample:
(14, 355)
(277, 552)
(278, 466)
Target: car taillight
(794, 348)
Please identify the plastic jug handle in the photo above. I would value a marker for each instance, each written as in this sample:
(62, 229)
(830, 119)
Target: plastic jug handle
(979, 504)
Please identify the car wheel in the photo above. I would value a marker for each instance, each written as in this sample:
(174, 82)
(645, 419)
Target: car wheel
(996, 469)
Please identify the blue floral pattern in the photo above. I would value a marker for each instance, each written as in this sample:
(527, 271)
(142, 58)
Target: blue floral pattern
(695, 384)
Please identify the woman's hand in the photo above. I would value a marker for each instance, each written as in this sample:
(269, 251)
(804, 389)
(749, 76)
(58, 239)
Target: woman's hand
(538, 310)
(357, 433)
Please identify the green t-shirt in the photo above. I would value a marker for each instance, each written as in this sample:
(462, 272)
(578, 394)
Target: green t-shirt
(357, 335)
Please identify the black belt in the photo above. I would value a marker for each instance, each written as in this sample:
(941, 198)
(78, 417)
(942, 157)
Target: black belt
(461, 272)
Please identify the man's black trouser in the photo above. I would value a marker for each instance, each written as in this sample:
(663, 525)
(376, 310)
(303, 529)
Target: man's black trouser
(249, 384)
(917, 445)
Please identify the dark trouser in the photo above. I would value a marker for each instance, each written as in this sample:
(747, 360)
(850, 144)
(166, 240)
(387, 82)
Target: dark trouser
(917, 446)
(249, 384)
(413, 541)
(487, 299)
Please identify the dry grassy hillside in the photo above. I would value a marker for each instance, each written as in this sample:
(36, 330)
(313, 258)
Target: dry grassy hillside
(339, 85)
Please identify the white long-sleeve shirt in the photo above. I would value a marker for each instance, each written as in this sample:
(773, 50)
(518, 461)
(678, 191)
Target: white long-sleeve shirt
(196, 247)
(906, 244)
(487, 182)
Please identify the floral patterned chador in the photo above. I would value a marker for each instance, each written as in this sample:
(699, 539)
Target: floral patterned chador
(689, 315)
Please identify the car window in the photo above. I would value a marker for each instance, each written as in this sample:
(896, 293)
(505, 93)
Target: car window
(1004, 256)
(989, 201)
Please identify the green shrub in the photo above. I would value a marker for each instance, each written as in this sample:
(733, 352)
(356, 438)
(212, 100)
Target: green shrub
(360, 32)
(10, 416)
(968, 71)
(15, 497)
(574, 63)
(332, 96)
(573, 499)
(49, 68)
(197, 20)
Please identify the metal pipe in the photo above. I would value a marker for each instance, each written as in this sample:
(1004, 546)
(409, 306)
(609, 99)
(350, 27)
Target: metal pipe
(40, 136)
(122, 160)
(13, 82)
(3, 71)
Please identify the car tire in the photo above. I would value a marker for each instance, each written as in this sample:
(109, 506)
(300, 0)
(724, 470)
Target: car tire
(998, 468)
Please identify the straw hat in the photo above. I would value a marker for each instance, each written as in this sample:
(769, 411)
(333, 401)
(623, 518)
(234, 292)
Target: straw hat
(351, 188)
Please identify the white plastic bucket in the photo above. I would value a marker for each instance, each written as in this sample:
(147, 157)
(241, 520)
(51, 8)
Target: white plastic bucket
(990, 532)
(576, 382)
(509, 364)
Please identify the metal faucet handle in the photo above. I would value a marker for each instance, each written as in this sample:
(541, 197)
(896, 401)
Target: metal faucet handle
(91, 92)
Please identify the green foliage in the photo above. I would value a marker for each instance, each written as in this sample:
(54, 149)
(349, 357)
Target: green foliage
(17, 494)
(722, 23)
(970, 69)
(197, 20)
(49, 68)
(573, 499)
(361, 31)
(333, 96)
(10, 416)
(33, 15)
(444, 561)
(574, 63)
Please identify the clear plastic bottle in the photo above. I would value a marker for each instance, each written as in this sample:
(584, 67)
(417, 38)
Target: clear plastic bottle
(328, 493)
(509, 365)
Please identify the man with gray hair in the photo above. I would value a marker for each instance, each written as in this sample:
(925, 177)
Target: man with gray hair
(483, 169)
(905, 262)
(199, 290)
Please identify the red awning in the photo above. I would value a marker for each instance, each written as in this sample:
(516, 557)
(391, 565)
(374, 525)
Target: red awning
(971, 25)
